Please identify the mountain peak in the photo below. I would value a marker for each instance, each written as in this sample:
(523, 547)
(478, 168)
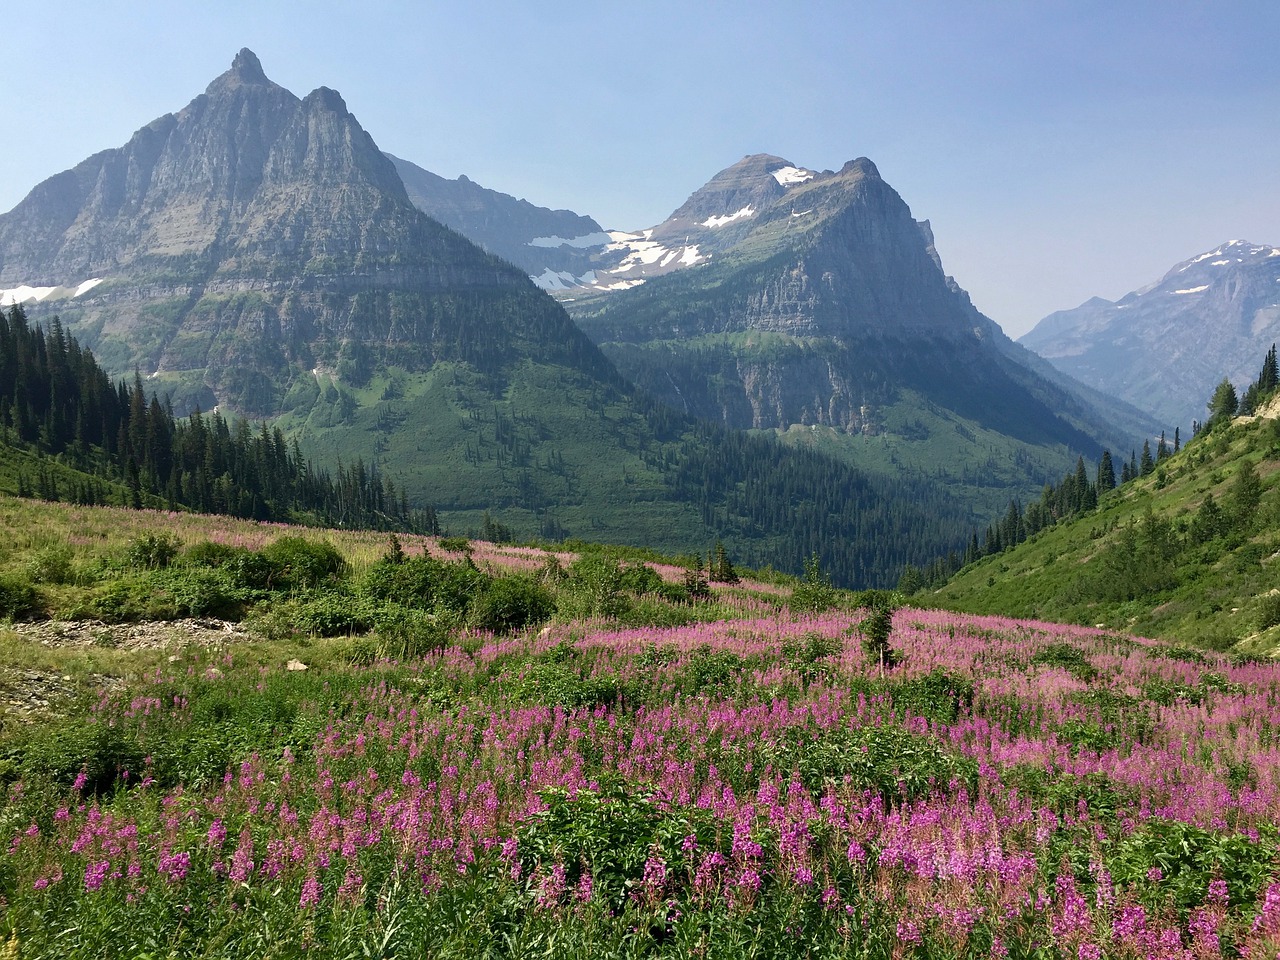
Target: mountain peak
(246, 70)
(861, 166)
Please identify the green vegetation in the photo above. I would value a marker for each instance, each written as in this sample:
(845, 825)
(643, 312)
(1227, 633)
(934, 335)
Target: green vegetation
(1185, 551)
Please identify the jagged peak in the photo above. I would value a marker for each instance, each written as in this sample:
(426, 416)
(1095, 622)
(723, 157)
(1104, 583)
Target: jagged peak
(246, 70)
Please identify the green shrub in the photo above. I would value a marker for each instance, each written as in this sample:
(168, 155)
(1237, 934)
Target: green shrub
(299, 562)
(151, 551)
(557, 684)
(1189, 858)
(815, 592)
(405, 634)
(594, 589)
(611, 834)
(511, 603)
(331, 613)
(206, 553)
(101, 751)
(1268, 611)
(709, 669)
(54, 564)
(17, 597)
(899, 765)
(1068, 658)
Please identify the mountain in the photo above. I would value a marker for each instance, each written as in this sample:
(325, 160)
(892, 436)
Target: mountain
(257, 253)
(555, 247)
(255, 239)
(1164, 347)
(813, 304)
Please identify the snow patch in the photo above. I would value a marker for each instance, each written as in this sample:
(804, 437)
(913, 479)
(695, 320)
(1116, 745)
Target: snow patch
(787, 176)
(1193, 289)
(623, 284)
(1218, 263)
(562, 280)
(691, 256)
(25, 293)
(579, 243)
(714, 222)
(802, 213)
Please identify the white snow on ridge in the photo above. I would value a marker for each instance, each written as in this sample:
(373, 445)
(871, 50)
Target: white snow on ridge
(24, 293)
(1218, 263)
(563, 279)
(791, 175)
(691, 256)
(1193, 289)
(579, 243)
(714, 222)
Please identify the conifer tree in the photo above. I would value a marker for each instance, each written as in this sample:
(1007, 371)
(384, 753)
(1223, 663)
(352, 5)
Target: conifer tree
(1106, 473)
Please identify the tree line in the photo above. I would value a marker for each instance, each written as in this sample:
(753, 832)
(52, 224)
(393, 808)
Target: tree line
(57, 401)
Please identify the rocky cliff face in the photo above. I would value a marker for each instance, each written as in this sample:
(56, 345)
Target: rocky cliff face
(817, 299)
(253, 237)
(1165, 347)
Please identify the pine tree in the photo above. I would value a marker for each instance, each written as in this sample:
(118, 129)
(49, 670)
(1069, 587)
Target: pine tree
(1223, 404)
(1106, 473)
(1147, 464)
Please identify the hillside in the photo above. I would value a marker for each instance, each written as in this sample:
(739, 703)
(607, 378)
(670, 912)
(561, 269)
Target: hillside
(1188, 552)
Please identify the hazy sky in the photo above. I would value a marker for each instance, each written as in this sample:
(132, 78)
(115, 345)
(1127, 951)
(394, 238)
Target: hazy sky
(1061, 150)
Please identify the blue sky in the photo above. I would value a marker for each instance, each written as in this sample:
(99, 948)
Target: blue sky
(1061, 150)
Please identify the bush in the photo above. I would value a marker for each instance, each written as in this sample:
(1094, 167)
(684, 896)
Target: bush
(404, 634)
(52, 565)
(815, 593)
(1068, 658)
(205, 593)
(17, 597)
(330, 613)
(101, 751)
(299, 562)
(1268, 614)
(511, 603)
(151, 551)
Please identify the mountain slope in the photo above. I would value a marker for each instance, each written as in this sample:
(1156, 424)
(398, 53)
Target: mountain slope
(1164, 347)
(1188, 552)
(819, 303)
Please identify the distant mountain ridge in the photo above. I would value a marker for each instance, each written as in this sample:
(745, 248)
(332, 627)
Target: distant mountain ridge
(554, 247)
(1164, 347)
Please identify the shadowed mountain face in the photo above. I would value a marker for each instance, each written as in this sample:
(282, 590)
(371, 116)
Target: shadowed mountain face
(817, 299)
(1165, 347)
